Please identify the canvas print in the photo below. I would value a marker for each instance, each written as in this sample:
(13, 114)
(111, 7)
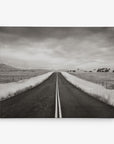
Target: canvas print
(56, 72)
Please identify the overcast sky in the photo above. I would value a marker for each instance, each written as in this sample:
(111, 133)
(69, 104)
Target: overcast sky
(57, 47)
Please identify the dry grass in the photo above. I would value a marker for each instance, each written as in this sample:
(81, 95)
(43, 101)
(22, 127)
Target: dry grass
(8, 90)
(102, 78)
(93, 89)
(16, 75)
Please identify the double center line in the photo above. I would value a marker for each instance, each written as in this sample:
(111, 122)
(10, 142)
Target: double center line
(58, 112)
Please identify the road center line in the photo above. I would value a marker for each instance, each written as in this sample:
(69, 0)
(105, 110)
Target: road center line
(58, 112)
(59, 105)
(56, 105)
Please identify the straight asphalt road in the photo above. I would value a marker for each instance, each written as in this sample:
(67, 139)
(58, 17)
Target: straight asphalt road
(54, 98)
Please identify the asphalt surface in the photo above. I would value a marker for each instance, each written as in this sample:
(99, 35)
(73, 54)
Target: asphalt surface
(39, 102)
(77, 104)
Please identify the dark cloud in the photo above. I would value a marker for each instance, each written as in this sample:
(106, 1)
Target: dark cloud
(54, 32)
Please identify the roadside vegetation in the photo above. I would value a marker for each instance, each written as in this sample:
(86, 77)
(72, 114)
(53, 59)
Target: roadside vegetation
(17, 75)
(11, 74)
(93, 89)
(8, 90)
(102, 76)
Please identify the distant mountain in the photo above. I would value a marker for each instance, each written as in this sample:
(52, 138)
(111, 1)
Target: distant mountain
(95, 69)
(4, 67)
(100, 69)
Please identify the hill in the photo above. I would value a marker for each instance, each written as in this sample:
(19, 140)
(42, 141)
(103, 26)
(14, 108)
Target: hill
(4, 67)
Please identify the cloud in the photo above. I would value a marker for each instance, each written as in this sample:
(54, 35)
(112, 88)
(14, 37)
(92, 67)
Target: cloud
(56, 47)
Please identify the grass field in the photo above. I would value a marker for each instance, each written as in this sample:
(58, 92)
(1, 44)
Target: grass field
(16, 75)
(103, 78)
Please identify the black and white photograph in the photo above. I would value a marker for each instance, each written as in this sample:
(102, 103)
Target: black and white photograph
(56, 72)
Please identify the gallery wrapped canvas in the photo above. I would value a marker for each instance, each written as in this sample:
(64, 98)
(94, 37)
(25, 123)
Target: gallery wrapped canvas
(56, 72)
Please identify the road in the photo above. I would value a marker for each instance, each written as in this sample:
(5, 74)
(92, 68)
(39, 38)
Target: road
(55, 98)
